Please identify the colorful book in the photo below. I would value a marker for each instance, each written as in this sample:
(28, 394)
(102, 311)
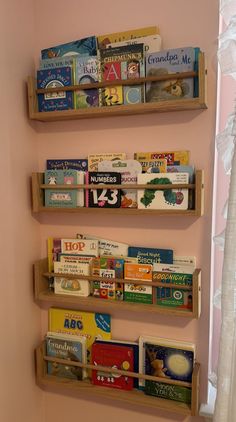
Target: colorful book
(74, 286)
(54, 249)
(86, 72)
(83, 46)
(129, 170)
(95, 159)
(114, 356)
(121, 63)
(185, 169)
(174, 274)
(58, 62)
(103, 198)
(172, 157)
(108, 267)
(103, 40)
(53, 78)
(84, 247)
(90, 325)
(164, 199)
(151, 255)
(107, 247)
(137, 292)
(64, 198)
(79, 164)
(72, 348)
(158, 165)
(152, 43)
(167, 359)
(171, 61)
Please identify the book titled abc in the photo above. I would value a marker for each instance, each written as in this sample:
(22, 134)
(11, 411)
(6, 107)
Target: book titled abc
(86, 72)
(53, 78)
(103, 198)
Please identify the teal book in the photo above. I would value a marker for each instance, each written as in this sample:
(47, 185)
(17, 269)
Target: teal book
(70, 198)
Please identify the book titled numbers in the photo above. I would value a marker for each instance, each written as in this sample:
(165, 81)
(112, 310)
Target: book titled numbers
(103, 198)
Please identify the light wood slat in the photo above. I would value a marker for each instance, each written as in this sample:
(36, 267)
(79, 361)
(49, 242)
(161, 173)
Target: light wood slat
(128, 186)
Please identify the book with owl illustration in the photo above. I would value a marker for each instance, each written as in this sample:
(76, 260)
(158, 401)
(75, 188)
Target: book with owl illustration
(64, 198)
(86, 72)
(73, 286)
(83, 46)
(66, 347)
(164, 199)
(53, 78)
(104, 40)
(171, 61)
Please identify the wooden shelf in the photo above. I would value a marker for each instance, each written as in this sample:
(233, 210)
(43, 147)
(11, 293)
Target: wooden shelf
(43, 294)
(120, 110)
(38, 188)
(133, 397)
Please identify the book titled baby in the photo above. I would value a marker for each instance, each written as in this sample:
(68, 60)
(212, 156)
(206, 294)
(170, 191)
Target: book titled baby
(86, 72)
(55, 78)
(103, 198)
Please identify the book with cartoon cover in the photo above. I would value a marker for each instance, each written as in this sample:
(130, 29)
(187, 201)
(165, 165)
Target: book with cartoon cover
(86, 72)
(53, 78)
(104, 40)
(83, 46)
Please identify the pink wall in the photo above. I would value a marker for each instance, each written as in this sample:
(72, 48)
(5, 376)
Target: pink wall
(182, 23)
(20, 399)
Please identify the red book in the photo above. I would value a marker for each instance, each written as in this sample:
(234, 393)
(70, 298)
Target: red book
(117, 357)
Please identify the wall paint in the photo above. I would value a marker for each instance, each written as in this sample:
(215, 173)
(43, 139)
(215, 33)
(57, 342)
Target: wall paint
(181, 23)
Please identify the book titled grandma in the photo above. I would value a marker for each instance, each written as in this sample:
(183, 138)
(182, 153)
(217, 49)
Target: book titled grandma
(172, 61)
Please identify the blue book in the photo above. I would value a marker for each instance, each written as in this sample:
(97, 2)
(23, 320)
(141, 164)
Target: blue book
(84, 46)
(53, 78)
(57, 62)
(151, 255)
(65, 164)
(86, 72)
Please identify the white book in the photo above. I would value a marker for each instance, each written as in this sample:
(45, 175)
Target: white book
(152, 43)
(184, 260)
(79, 247)
(80, 192)
(173, 268)
(72, 287)
(107, 247)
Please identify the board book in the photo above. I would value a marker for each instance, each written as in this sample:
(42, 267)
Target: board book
(116, 356)
(86, 72)
(107, 247)
(58, 62)
(166, 198)
(141, 293)
(67, 164)
(108, 267)
(83, 46)
(152, 43)
(114, 37)
(67, 347)
(103, 198)
(151, 255)
(64, 198)
(74, 286)
(172, 157)
(79, 247)
(53, 78)
(129, 169)
(94, 159)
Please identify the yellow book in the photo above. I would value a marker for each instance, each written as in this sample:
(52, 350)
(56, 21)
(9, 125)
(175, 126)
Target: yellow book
(88, 324)
(113, 95)
(173, 157)
(103, 40)
(160, 163)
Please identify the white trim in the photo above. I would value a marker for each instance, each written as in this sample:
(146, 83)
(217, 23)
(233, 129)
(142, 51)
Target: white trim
(207, 409)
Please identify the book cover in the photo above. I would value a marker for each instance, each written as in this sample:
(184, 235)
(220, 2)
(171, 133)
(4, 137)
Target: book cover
(79, 247)
(64, 198)
(137, 292)
(79, 164)
(90, 325)
(74, 286)
(103, 40)
(175, 274)
(103, 198)
(83, 46)
(172, 157)
(67, 347)
(135, 348)
(53, 78)
(152, 43)
(114, 356)
(164, 199)
(108, 267)
(185, 169)
(170, 61)
(162, 357)
(86, 72)
(121, 63)
(94, 159)
(54, 249)
(151, 255)
(129, 169)
(185, 260)
(158, 165)
(107, 247)
(58, 62)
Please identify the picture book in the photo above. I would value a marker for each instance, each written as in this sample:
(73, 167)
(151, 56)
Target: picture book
(129, 170)
(171, 61)
(137, 292)
(172, 157)
(53, 78)
(58, 62)
(158, 165)
(103, 40)
(121, 63)
(184, 260)
(79, 164)
(165, 358)
(78, 259)
(103, 198)
(107, 247)
(94, 159)
(135, 347)
(86, 72)
(175, 274)
(74, 286)
(114, 356)
(54, 248)
(79, 323)
(152, 43)
(83, 46)
(79, 247)
(164, 199)
(185, 169)
(108, 267)
(151, 255)
(67, 347)
(64, 198)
